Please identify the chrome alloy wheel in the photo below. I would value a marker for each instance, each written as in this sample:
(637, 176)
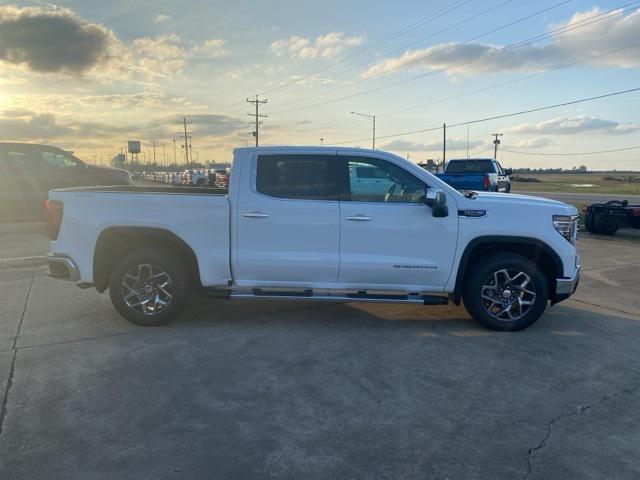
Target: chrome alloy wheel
(508, 295)
(147, 289)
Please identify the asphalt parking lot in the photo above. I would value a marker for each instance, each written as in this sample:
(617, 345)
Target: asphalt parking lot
(270, 389)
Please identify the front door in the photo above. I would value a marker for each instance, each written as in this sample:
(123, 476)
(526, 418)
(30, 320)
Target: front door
(288, 220)
(389, 237)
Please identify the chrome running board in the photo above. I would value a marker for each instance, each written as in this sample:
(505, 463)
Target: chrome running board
(413, 298)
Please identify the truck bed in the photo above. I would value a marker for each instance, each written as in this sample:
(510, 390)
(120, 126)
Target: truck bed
(197, 216)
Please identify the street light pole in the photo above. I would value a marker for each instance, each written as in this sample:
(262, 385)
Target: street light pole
(373, 119)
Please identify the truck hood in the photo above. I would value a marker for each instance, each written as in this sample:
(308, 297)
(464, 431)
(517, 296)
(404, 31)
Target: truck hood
(486, 200)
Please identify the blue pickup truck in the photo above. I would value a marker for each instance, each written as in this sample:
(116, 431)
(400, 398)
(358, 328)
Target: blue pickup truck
(479, 174)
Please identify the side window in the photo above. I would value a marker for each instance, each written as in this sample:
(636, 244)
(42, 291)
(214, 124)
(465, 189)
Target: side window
(55, 159)
(375, 180)
(306, 177)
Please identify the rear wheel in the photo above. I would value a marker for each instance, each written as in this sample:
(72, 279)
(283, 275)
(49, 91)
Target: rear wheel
(149, 287)
(603, 227)
(506, 292)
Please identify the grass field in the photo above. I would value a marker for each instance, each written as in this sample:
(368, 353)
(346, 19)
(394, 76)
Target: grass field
(577, 183)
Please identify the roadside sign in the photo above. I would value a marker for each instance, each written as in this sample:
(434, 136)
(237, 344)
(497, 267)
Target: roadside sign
(133, 146)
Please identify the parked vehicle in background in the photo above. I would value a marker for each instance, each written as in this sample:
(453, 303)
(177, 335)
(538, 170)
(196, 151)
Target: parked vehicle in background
(296, 224)
(607, 218)
(221, 176)
(477, 174)
(29, 171)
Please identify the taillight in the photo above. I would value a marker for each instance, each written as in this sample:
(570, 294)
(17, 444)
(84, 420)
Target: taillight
(53, 218)
(486, 183)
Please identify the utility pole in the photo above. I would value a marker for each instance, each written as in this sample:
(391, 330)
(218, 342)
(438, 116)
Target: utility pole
(164, 154)
(175, 159)
(444, 144)
(257, 102)
(153, 145)
(186, 137)
(496, 142)
(373, 119)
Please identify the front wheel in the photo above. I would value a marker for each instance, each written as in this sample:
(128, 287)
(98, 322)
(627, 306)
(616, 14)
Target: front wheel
(506, 292)
(149, 287)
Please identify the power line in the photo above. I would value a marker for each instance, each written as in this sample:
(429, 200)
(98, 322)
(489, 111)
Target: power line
(422, 39)
(573, 153)
(454, 5)
(502, 50)
(508, 82)
(496, 117)
(424, 57)
(515, 80)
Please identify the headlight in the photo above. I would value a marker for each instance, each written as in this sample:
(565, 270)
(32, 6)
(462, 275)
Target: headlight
(567, 226)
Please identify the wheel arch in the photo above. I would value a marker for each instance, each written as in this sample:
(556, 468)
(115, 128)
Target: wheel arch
(536, 250)
(116, 242)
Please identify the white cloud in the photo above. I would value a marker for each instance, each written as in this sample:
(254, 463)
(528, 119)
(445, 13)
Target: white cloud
(452, 144)
(580, 124)
(537, 142)
(583, 41)
(213, 47)
(161, 18)
(329, 45)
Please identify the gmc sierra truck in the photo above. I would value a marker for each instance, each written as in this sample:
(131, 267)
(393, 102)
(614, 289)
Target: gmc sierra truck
(295, 224)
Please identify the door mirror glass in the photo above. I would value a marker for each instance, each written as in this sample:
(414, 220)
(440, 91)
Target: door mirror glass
(437, 200)
(508, 171)
(434, 198)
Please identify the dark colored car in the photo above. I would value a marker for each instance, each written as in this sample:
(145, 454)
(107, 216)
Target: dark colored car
(28, 172)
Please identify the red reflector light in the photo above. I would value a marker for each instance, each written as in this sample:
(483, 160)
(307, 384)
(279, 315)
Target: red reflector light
(53, 218)
(485, 182)
(635, 212)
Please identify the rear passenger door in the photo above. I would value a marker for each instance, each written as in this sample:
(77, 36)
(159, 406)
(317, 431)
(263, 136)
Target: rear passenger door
(287, 220)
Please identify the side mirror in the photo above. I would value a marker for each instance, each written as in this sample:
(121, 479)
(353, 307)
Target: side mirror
(508, 171)
(437, 200)
(434, 197)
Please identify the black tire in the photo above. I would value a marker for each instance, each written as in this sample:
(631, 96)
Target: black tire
(477, 305)
(588, 223)
(179, 288)
(602, 227)
(508, 188)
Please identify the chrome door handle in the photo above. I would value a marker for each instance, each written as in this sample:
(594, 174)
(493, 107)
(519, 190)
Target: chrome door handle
(360, 218)
(255, 215)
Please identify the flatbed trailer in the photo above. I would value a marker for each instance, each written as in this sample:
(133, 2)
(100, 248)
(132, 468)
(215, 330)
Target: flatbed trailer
(607, 218)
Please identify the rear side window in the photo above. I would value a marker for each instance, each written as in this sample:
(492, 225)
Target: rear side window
(470, 166)
(306, 177)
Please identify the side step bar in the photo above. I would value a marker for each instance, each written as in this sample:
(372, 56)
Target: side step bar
(340, 297)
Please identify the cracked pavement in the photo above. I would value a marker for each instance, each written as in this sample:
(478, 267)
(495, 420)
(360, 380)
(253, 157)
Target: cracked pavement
(272, 389)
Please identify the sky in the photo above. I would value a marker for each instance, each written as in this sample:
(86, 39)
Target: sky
(89, 75)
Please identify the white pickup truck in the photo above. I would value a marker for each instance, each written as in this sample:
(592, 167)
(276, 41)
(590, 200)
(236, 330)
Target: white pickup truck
(294, 225)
